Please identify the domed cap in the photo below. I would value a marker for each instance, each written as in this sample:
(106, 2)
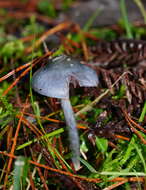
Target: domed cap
(53, 79)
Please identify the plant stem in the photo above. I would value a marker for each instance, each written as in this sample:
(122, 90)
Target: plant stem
(141, 8)
(72, 130)
(143, 113)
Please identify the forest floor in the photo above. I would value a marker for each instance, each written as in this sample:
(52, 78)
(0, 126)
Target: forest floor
(111, 118)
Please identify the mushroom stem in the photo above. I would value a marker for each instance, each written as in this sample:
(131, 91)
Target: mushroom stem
(72, 130)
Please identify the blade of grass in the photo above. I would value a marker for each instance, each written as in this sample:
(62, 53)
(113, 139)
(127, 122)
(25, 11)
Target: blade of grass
(90, 168)
(128, 152)
(125, 19)
(21, 166)
(141, 156)
(143, 113)
(91, 20)
(123, 173)
(141, 8)
(54, 133)
(101, 144)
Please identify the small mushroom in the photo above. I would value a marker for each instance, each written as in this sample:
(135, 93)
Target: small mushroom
(53, 79)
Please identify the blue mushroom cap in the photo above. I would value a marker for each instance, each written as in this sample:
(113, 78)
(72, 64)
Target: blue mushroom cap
(53, 79)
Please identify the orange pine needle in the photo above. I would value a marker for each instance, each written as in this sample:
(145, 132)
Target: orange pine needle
(133, 179)
(43, 117)
(53, 120)
(138, 134)
(25, 72)
(16, 81)
(14, 71)
(31, 126)
(26, 14)
(31, 181)
(94, 180)
(122, 137)
(13, 146)
(81, 126)
(73, 43)
(24, 66)
(51, 31)
(91, 36)
(28, 38)
(135, 130)
(134, 123)
(113, 186)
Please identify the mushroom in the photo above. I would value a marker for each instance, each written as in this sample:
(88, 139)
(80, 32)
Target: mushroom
(53, 79)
